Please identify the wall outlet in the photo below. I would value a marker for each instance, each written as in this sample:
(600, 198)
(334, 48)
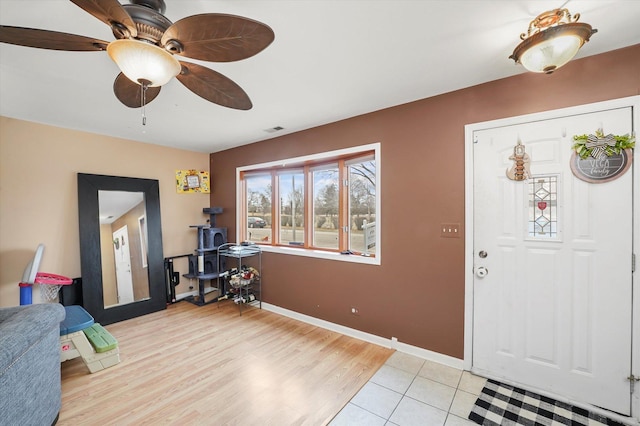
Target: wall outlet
(355, 311)
(450, 230)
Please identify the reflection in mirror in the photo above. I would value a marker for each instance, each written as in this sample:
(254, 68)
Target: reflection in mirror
(123, 245)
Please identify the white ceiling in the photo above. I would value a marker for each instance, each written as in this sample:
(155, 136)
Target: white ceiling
(114, 204)
(331, 59)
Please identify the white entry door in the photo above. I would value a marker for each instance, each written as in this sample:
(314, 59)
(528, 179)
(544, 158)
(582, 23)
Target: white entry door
(124, 280)
(552, 262)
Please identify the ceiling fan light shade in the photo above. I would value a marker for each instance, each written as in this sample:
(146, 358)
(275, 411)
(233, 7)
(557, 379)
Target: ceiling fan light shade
(141, 61)
(553, 45)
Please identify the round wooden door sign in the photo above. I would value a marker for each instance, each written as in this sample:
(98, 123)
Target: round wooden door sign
(601, 169)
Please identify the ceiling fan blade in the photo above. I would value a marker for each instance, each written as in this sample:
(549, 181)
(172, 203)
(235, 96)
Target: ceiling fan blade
(218, 37)
(111, 13)
(213, 86)
(44, 39)
(130, 93)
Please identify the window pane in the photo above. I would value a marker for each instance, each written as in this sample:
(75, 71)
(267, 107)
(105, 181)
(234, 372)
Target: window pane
(325, 208)
(543, 207)
(291, 189)
(362, 206)
(258, 207)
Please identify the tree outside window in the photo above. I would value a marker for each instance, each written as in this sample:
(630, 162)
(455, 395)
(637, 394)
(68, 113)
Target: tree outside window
(291, 189)
(326, 219)
(258, 218)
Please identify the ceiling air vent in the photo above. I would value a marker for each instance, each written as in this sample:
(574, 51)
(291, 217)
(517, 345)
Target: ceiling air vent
(274, 129)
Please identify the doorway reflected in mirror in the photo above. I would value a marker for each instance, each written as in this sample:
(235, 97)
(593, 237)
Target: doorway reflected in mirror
(123, 247)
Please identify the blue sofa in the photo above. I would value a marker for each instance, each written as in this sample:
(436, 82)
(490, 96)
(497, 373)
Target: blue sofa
(30, 390)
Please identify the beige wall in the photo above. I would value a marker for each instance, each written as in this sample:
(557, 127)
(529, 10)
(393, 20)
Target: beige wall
(39, 202)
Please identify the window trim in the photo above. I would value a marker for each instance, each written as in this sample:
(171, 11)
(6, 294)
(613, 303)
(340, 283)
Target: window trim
(300, 161)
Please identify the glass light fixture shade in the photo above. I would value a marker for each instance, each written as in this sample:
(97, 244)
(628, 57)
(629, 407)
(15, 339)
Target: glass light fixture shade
(143, 62)
(551, 48)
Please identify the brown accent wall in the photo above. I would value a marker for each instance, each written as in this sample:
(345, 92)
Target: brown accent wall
(417, 294)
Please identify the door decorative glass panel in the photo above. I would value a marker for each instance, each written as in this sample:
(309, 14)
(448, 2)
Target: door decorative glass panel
(543, 207)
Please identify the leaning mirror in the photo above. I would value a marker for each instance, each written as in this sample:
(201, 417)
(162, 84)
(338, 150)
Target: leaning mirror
(120, 247)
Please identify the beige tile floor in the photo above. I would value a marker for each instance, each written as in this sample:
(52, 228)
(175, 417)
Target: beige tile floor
(408, 390)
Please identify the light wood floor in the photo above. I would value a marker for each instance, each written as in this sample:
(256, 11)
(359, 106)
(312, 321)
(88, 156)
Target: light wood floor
(207, 365)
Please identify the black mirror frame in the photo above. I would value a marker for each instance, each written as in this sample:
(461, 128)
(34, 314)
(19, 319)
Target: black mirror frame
(90, 253)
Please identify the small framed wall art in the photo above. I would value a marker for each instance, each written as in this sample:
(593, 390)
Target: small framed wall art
(192, 181)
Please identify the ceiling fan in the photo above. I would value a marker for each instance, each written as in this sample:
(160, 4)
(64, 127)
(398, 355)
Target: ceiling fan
(145, 45)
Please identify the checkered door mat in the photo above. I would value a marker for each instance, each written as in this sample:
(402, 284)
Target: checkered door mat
(500, 405)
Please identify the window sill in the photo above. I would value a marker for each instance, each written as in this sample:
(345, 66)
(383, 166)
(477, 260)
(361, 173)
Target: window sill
(320, 254)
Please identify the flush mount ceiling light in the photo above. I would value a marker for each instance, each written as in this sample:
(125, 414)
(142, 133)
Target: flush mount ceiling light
(553, 39)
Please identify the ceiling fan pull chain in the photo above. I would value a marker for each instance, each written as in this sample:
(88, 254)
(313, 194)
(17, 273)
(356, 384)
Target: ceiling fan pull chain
(143, 96)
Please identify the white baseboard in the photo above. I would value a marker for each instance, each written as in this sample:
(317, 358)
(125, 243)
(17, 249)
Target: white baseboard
(181, 296)
(392, 343)
(450, 361)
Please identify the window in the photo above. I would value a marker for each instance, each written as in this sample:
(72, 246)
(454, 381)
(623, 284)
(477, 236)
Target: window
(258, 207)
(324, 205)
(362, 204)
(292, 201)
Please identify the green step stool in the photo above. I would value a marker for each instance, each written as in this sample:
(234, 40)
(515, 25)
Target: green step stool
(100, 339)
(81, 337)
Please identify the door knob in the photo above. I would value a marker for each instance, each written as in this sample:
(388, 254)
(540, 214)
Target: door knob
(482, 272)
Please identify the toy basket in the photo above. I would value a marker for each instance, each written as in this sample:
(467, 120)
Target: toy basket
(237, 281)
(50, 284)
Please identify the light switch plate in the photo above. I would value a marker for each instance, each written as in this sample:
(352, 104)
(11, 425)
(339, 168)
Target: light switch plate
(450, 230)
